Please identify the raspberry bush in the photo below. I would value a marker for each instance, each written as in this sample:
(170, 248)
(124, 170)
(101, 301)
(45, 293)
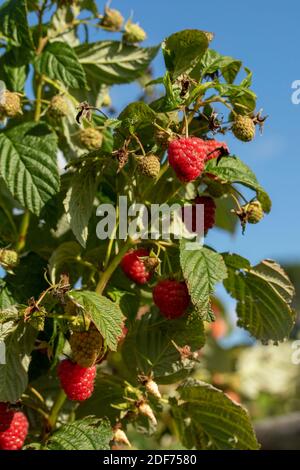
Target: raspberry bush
(103, 337)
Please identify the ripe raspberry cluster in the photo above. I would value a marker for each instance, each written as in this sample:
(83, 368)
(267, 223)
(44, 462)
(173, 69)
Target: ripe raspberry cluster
(13, 428)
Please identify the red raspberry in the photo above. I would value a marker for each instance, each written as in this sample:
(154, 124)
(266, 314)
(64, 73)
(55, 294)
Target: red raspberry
(77, 381)
(215, 149)
(6, 416)
(209, 213)
(134, 267)
(187, 156)
(171, 297)
(14, 435)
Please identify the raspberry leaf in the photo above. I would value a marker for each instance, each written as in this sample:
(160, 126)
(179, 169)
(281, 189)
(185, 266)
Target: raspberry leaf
(135, 116)
(14, 69)
(105, 314)
(151, 346)
(264, 294)
(184, 50)
(13, 373)
(240, 97)
(14, 25)
(79, 203)
(86, 434)
(207, 419)
(58, 61)
(112, 62)
(28, 164)
(233, 170)
(202, 268)
(212, 62)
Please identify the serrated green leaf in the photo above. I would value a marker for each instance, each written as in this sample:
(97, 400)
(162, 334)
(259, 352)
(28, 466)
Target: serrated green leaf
(105, 314)
(212, 61)
(150, 346)
(14, 25)
(79, 203)
(59, 29)
(184, 50)
(264, 294)
(208, 419)
(8, 314)
(136, 116)
(59, 62)
(28, 164)
(13, 69)
(112, 62)
(233, 170)
(86, 434)
(240, 97)
(202, 268)
(13, 374)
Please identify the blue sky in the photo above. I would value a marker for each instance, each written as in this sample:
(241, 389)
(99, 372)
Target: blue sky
(267, 40)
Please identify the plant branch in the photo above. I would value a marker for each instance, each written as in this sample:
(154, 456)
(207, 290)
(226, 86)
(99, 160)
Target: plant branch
(57, 405)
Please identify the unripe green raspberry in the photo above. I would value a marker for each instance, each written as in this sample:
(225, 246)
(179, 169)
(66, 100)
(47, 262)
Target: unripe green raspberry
(133, 33)
(91, 138)
(9, 259)
(58, 107)
(254, 212)
(150, 166)
(243, 128)
(10, 104)
(112, 20)
(86, 346)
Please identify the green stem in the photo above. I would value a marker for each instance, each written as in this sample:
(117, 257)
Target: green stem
(106, 275)
(57, 405)
(111, 241)
(38, 104)
(23, 231)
